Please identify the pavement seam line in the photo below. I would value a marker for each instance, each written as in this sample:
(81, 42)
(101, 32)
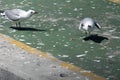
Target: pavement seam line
(45, 55)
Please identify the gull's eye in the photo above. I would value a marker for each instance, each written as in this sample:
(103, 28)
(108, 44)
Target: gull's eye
(32, 12)
(82, 25)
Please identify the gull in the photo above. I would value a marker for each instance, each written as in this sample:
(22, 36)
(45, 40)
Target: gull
(88, 25)
(17, 15)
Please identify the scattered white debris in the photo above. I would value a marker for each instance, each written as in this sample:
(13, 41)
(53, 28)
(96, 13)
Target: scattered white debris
(115, 37)
(93, 7)
(66, 45)
(111, 56)
(62, 29)
(64, 56)
(46, 34)
(54, 45)
(40, 43)
(28, 43)
(91, 47)
(112, 30)
(75, 9)
(22, 35)
(21, 40)
(52, 29)
(81, 9)
(54, 3)
(96, 60)
(80, 55)
(86, 52)
(68, 1)
(58, 35)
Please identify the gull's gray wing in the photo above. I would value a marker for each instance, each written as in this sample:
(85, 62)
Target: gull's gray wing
(12, 15)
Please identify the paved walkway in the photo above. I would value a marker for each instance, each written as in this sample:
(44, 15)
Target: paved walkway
(22, 62)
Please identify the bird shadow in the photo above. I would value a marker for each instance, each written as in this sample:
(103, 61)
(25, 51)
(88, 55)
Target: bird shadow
(95, 38)
(27, 29)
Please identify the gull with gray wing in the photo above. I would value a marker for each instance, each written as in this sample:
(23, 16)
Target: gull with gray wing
(88, 25)
(17, 15)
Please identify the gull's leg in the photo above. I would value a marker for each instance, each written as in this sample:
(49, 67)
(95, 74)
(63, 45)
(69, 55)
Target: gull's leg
(16, 24)
(19, 24)
(87, 33)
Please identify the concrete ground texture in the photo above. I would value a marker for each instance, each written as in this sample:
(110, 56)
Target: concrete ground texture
(21, 62)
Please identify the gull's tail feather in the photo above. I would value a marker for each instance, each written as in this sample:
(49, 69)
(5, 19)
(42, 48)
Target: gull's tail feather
(98, 26)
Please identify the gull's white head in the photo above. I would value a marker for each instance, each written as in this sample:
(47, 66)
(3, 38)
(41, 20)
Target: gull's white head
(86, 23)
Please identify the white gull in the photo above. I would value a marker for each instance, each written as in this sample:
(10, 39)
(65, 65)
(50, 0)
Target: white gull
(88, 25)
(17, 15)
